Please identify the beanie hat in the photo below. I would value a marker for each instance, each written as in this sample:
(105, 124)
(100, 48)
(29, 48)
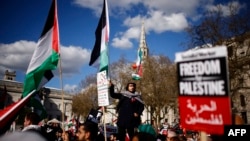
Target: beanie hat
(147, 128)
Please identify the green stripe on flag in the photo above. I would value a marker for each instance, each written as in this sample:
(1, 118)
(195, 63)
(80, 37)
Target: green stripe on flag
(33, 79)
(104, 60)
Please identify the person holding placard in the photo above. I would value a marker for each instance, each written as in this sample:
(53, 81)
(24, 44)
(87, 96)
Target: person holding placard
(129, 108)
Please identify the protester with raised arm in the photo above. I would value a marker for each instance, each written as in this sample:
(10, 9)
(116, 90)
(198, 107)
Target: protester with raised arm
(129, 108)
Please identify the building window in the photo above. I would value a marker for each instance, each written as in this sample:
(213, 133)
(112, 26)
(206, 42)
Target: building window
(230, 50)
(242, 100)
(244, 116)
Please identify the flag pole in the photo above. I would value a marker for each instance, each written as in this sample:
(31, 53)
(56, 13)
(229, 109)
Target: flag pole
(104, 124)
(108, 73)
(60, 70)
(62, 92)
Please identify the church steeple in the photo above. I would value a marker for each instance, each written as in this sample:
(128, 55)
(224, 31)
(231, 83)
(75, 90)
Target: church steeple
(142, 53)
(143, 45)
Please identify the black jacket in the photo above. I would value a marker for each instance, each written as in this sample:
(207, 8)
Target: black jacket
(127, 106)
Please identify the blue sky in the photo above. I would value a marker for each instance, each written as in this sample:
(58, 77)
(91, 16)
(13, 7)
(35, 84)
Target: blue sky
(22, 22)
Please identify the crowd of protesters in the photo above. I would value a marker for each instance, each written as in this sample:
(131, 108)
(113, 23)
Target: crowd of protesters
(89, 131)
(130, 127)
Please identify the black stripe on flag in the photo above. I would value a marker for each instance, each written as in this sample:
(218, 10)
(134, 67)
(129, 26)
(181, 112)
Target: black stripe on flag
(50, 19)
(98, 35)
(48, 74)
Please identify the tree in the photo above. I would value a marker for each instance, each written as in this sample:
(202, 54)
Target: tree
(87, 99)
(121, 73)
(218, 27)
(158, 84)
(232, 29)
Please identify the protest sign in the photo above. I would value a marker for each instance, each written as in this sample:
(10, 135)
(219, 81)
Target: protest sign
(102, 89)
(204, 102)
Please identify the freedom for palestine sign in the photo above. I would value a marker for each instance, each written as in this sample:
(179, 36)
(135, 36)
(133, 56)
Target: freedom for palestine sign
(204, 102)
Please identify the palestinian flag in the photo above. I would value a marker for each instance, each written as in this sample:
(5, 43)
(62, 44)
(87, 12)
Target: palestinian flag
(99, 55)
(10, 113)
(44, 60)
(138, 66)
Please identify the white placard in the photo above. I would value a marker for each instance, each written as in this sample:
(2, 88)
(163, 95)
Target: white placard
(102, 89)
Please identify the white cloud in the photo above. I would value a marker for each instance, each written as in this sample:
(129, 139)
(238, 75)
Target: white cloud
(225, 8)
(73, 58)
(155, 21)
(95, 5)
(121, 43)
(16, 56)
(114, 6)
(135, 21)
(70, 88)
(126, 6)
(174, 6)
(159, 16)
(159, 22)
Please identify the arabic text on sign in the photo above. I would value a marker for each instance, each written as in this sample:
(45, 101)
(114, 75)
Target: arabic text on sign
(214, 119)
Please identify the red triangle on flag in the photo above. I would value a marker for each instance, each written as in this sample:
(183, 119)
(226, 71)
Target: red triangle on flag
(127, 137)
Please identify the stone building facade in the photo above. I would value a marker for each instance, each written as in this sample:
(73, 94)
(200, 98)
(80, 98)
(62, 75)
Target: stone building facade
(241, 97)
(240, 84)
(52, 98)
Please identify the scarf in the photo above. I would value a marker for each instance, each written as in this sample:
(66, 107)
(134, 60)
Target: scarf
(135, 95)
(32, 127)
